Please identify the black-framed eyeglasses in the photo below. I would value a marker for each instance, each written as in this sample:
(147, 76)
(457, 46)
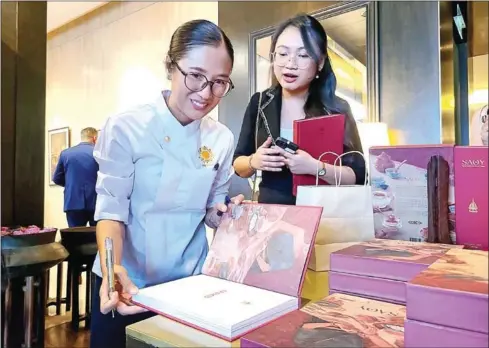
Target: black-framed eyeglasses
(196, 82)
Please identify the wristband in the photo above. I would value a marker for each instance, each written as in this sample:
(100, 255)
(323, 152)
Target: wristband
(249, 163)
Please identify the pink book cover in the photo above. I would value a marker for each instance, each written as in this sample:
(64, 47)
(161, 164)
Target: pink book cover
(339, 320)
(452, 292)
(389, 259)
(265, 246)
(471, 191)
(400, 190)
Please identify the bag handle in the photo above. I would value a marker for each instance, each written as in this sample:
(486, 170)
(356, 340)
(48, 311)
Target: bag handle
(338, 182)
(319, 161)
(255, 176)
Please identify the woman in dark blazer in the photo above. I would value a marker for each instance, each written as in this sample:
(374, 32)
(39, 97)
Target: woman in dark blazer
(303, 87)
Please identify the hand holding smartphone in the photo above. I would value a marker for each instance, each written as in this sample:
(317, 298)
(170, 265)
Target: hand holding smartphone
(286, 145)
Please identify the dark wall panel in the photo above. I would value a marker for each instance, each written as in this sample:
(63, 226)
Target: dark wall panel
(23, 114)
(9, 19)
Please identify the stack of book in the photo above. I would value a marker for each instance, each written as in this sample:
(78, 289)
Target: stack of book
(253, 273)
(339, 320)
(447, 304)
(379, 269)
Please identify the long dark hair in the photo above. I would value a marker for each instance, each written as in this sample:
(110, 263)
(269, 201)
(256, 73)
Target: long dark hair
(321, 99)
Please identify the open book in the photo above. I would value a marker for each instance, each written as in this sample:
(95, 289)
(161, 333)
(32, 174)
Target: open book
(252, 275)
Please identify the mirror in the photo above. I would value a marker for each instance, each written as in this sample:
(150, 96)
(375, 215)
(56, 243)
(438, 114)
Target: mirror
(348, 43)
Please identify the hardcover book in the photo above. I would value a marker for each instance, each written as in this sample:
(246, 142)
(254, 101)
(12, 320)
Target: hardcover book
(471, 190)
(423, 335)
(452, 292)
(388, 259)
(413, 193)
(253, 272)
(316, 136)
(337, 321)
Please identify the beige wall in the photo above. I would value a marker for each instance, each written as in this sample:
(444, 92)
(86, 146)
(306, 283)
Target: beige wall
(105, 61)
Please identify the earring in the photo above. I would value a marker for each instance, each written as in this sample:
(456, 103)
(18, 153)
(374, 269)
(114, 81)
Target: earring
(317, 76)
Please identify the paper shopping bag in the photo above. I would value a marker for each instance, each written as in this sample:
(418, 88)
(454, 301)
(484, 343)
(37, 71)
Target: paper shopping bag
(347, 214)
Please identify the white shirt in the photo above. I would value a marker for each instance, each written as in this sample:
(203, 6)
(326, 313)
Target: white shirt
(153, 177)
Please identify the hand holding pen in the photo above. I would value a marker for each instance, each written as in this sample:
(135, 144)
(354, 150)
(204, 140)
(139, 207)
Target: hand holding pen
(109, 263)
(116, 287)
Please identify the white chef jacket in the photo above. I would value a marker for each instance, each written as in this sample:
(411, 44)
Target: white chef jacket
(158, 177)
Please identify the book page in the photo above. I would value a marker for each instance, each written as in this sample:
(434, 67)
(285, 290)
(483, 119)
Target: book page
(211, 300)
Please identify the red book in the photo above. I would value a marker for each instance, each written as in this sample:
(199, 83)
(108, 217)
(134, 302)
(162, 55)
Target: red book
(316, 136)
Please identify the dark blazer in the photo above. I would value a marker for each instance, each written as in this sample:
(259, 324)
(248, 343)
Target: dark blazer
(276, 187)
(77, 171)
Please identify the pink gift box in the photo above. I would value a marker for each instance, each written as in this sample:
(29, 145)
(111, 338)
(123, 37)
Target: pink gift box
(393, 291)
(400, 190)
(387, 259)
(339, 320)
(452, 292)
(471, 191)
(423, 335)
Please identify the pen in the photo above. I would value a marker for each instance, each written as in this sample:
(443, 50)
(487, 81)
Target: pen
(109, 262)
(226, 202)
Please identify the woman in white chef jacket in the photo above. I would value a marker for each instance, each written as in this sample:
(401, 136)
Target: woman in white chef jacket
(164, 170)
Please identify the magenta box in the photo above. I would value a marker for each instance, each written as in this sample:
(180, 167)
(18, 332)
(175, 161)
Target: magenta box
(333, 291)
(400, 190)
(452, 292)
(387, 259)
(338, 320)
(424, 335)
(471, 191)
(371, 287)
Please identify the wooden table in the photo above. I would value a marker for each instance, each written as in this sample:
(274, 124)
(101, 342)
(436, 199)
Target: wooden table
(162, 332)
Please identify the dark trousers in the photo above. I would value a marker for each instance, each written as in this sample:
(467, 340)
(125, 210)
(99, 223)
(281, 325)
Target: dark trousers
(106, 331)
(80, 218)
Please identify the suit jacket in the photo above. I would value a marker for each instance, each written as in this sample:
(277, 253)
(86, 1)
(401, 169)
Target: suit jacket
(77, 171)
(276, 187)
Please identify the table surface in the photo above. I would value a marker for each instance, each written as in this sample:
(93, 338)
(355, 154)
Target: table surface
(78, 230)
(162, 332)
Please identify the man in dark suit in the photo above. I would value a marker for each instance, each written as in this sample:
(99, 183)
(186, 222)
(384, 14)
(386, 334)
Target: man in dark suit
(77, 171)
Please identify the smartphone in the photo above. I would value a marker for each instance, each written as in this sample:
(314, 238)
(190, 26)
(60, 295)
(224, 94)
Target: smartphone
(287, 145)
